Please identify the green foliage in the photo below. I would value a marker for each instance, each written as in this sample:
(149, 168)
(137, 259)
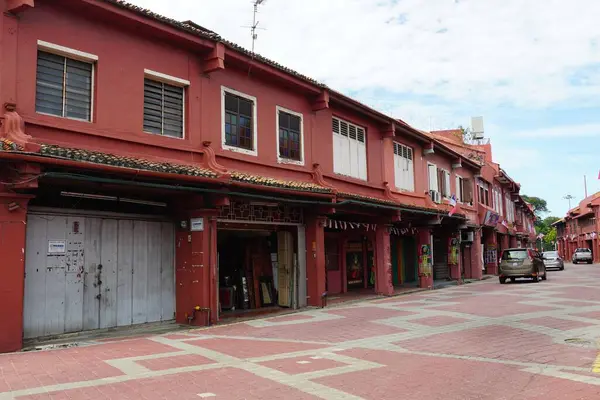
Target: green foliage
(540, 206)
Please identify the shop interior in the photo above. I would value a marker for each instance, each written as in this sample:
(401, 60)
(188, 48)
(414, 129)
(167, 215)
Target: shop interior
(256, 268)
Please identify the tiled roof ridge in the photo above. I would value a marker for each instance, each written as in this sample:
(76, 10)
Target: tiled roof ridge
(208, 34)
(98, 157)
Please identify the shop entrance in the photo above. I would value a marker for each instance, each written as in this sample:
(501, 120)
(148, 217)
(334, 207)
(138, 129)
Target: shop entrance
(257, 268)
(404, 260)
(360, 265)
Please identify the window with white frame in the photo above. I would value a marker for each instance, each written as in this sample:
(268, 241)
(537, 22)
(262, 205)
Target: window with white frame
(404, 167)
(164, 104)
(349, 149)
(64, 82)
(290, 141)
(510, 209)
(239, 123)
(444, 182)
(432, 173)
(484, 192)
(498, 200)
(464, 190)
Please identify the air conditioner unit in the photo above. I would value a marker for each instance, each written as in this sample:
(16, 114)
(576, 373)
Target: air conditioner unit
(466, 236)
(436, 196)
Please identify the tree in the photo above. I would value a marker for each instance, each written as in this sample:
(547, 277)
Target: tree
(540, 207)
(550, 237)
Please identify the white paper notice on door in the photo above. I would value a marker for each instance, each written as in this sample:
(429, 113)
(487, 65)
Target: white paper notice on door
(57, 246)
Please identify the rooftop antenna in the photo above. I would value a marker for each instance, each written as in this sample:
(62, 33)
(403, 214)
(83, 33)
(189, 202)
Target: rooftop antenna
(255, 23)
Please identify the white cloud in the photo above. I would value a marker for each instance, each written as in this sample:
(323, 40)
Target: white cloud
(494, 51)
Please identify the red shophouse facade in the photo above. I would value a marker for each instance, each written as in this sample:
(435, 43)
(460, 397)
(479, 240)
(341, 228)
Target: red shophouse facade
(147, 164)
(580, 229)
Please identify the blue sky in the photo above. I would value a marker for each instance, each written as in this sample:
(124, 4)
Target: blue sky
(530, 68)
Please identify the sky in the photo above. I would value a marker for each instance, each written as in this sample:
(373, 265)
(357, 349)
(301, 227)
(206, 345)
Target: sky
(530, 68)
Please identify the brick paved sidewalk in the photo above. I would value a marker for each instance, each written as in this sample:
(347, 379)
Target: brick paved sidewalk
(477, 341)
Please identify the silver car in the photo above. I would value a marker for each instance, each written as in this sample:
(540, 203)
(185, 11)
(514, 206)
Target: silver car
(582, 255)
(553, 260)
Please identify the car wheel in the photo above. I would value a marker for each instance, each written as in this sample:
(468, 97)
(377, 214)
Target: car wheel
(536, 278)
(513, 280)
(562, 268)
(589, 262)
(502, 280)
(545, 277)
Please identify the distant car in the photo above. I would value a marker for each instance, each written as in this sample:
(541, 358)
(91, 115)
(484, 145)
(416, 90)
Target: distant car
(521, 263)
(553, 260)
(582, 255)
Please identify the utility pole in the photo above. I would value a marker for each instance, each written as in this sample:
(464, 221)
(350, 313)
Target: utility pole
(585, 186)
(568, 197)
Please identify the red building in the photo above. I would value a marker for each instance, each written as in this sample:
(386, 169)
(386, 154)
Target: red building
(580, 228)
(153, 171)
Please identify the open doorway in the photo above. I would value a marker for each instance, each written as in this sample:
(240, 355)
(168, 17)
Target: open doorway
(256, 270)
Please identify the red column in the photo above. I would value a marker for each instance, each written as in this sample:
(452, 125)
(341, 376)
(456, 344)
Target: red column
(513, 241)
(383, 269)
(425, 260)
(195, 268)
(476, 256)
(315, 260)
(492, 243)
(13, 220)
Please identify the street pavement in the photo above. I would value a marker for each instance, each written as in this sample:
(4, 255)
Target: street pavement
(483, 340)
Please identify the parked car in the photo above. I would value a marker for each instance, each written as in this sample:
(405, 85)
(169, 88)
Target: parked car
(553, 260)
(521, 263)
(582, 255)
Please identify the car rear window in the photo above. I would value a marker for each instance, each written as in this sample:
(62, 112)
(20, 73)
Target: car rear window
(551, 254)
(514, 255)
(583, 250)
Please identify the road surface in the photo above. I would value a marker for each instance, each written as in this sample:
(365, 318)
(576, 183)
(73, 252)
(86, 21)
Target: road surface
(477, 341)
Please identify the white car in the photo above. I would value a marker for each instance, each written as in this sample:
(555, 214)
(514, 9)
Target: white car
(582, 255)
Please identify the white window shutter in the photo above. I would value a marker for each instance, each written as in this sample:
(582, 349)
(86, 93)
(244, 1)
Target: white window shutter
(457, 189)
(340, 153)
(433, 181)
(410, 175)
(447, 188)
(362, 160)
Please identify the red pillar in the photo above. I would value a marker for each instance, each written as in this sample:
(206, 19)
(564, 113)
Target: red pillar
(383, 269)
(491, 242)
(425, 260)
(476, 256)
(13, 220)
(315, 260)
(513, 241)
(195, 268)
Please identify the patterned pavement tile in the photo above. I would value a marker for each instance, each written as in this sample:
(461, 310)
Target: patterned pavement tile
(482, 341)
(300, 365)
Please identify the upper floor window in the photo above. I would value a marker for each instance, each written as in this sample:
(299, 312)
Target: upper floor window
(498, 200)
(349, 149)
(484, 193)
(444, 182)
(64, 82)
(404, 167)
(464, 190)
(239, 122)
(164, 104)
(289, 136)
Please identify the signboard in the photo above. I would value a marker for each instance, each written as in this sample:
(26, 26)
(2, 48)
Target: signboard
(197, 224)
(491, 218)
(57, 246)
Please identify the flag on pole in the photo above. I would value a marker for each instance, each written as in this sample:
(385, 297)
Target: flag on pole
(454, 205)
(504, 224)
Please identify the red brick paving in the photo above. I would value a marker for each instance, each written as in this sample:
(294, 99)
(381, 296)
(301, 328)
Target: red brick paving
(503, 342)
(438, 321)
(292, 366)
(557, 323)
(401, 375)
(226, 383)
(248, 348)
(407, 376)
(187, 360)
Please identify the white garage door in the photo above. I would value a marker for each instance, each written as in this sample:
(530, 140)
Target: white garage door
(85, 272)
